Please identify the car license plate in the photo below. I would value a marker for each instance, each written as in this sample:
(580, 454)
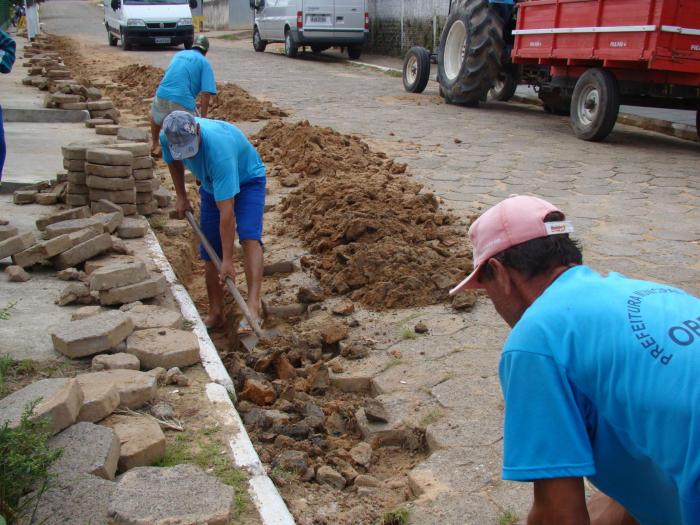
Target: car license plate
(319, 19)
(163, 40)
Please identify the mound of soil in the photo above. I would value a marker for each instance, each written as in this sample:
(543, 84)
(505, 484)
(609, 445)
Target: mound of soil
(372, 232)
(233, 103)
(137, 83)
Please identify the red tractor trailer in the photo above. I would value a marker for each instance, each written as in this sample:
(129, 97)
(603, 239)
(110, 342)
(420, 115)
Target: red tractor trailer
(583, 57)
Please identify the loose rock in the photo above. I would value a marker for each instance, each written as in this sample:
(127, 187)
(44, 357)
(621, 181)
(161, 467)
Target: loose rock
(16, 274)
(326, 475)
(93, 335)
(164, 347)
(74, 292)
(122, 361)
(87, 449)
(100, 398)
(152, 316)
(141, 439)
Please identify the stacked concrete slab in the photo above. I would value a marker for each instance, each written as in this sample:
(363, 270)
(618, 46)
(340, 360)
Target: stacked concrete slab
(145, 183)
(74, 164)
(109, 176)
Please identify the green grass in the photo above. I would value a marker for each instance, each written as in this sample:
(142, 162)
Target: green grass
(279, 472)
(6, 311)
(407, 333)
(393, 73)
(395, 517)
(508, 518)
(201, 448)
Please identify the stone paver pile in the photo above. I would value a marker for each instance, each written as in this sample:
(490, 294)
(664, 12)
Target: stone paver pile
(110, 177)
(145, 182)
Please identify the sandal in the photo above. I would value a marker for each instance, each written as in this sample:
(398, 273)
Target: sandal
(244, 327)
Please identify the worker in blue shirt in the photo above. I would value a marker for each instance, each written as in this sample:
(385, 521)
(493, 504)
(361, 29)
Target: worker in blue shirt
(599, 375)
(188, 76)
(7, 59)
(232, 199)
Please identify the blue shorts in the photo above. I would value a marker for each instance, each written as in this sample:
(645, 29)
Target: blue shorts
(248, 206)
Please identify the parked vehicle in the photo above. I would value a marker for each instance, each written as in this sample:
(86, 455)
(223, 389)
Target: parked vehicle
(584, 57)
(318, 24)
(160, 22)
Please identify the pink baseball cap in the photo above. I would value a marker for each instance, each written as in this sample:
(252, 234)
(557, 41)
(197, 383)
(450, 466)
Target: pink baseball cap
(513, 221)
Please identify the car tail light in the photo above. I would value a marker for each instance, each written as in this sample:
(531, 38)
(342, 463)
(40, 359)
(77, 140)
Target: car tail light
(366, 21)
(300, 19)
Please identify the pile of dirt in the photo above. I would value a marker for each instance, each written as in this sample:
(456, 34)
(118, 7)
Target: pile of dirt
(137, 83)
(372, 232)
(234, 104)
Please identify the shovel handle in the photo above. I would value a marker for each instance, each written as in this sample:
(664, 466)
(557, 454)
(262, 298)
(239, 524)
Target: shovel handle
(229, 282)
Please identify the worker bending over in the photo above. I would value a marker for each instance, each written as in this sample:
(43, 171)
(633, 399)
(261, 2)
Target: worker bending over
(232, 198)
(600, 375)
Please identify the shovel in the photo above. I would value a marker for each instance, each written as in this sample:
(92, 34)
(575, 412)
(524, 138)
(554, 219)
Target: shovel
(249, 341)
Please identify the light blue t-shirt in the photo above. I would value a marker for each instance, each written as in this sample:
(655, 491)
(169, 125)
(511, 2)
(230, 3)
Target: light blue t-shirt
(188, 74)
(601, 378)
(225, 161)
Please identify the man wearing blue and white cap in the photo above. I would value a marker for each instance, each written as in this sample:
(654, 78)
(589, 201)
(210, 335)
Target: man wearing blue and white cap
(232, 194)
(600, 375)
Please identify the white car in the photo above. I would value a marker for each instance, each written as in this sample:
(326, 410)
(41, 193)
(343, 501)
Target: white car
(148, 22)
(319, 24)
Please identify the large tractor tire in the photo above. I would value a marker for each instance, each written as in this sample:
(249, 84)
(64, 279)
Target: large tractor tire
(471, 47)
(595, 105)
(556, 104)
(416, 70)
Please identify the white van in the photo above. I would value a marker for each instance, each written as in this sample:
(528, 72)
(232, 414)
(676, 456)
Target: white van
(149, 22)
(319, 24)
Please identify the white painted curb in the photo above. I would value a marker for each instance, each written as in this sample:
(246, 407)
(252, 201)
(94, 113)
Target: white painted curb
(265, 496)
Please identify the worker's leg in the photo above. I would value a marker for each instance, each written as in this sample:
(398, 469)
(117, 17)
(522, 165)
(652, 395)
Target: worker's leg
(155, 140)
(159, 111)
(209, 223)
(249, 206)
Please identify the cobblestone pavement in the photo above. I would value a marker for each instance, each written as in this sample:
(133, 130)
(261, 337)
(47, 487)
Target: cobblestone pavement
(634, 199)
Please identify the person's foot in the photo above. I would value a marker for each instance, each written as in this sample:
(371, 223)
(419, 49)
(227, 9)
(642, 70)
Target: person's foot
(214, 321)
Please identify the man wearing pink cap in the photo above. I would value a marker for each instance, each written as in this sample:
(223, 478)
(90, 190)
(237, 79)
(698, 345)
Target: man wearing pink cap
(600, 375)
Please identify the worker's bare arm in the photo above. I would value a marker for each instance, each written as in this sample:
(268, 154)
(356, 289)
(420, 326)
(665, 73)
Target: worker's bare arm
(204, 99)
(177, 173)
(559, 501)
(227, 230)
(606, 511)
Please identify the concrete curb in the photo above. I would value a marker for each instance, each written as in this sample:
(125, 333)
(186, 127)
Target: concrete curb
(265, 496)
(665, 127)
(44, 115)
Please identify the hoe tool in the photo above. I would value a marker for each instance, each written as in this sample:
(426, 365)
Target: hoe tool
(249, 341)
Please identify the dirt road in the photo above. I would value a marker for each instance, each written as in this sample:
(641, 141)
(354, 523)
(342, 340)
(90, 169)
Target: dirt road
(635, 201)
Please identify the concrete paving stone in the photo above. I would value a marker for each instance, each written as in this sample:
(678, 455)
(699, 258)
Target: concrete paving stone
(137, 149)
(99, 170)
(152, 316)
(122, 361)
(109, 157)
(46, 199)
(141, 440)
(110, 221)
(24, 196)
(147, 208)
(100, 397)
(77, 189)
(16, 274)
(16, 244)
(133, 134)
(141, 163)
(100, 105)
(143, 174)
(87, 449)
(60, 401)
(106, 260)
(73, 165)
(87, 311)
(163, 197)
(143, 198)
(92, 335)
(80, 236)
(7, 231)
(107, 129)
(73, 106)
(74, 292)
(134, 292)
(117, 197)
(115, 276)
(110, 183)
(164, 347)
(75, 199)
(132, 228)
(65, 215)
(146, 186)
(72, 225)
(42, 251)
(92, 122)
(65, 98)
(74, 499)
(161, 496)
(135, 388)
(83, 251)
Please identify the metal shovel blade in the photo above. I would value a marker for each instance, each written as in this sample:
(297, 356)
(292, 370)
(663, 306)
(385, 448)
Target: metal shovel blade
(250, 340)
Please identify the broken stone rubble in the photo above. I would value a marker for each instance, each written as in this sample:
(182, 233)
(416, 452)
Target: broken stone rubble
(93, 335)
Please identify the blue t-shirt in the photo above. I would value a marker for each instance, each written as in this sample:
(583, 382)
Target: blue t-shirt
(225, 161)
(188, 74)
(601, 378)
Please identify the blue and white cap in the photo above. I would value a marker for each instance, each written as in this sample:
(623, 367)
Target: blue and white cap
(181, 131)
